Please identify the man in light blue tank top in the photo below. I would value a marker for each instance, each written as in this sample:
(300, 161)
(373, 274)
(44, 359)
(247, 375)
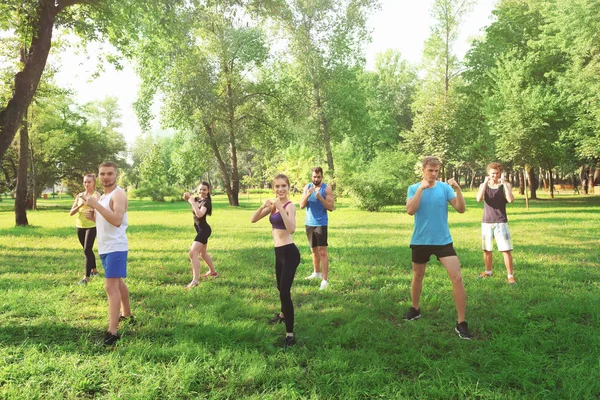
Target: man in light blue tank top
(317, 198)
(428, 202)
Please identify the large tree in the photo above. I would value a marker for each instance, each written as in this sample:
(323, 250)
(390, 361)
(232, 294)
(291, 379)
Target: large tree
(435, 127)
(325, 37)
(33, 23)
(204, 77)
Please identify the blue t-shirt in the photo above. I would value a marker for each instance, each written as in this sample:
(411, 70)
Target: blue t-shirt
(431, 218)
(316, 213)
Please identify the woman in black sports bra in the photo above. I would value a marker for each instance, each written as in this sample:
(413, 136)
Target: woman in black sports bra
(282, 215)
(201, 207)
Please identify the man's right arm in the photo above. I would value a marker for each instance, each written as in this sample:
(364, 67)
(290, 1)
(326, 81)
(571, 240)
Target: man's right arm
(115, 213)
(481, 191)
(305, 195)
(412, 204)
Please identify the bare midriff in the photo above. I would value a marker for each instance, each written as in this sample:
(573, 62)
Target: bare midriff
(282, 237)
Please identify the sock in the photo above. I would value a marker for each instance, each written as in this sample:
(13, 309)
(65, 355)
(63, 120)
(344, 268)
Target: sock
(510, 276)
(488, 272)
(318, 274)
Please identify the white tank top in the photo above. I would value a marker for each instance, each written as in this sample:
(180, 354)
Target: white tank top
(110, 237)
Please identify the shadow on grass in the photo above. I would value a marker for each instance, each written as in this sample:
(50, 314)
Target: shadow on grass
(47, 334)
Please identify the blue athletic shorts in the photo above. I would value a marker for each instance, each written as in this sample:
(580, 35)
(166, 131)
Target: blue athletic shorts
(115, 264)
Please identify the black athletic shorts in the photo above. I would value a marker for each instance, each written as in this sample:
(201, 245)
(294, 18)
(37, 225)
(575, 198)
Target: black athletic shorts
(317, 236)
(202, 233)
(422, 253)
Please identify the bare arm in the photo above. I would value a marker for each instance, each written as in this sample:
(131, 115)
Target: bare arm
(262, 211)
(459, 201)
(328, 201)
(510, 197)
(288, 215)
(198, 211)
(116, 211)
(305, 195)
(75, 208)
(481, 191)
(412, 204)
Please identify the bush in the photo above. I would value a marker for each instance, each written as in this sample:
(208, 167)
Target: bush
(384, 181)
(259, 191)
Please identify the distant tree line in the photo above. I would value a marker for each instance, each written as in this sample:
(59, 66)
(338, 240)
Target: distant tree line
(254, 87)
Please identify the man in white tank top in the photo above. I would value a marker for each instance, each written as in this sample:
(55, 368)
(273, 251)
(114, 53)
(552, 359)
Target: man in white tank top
(110, 214)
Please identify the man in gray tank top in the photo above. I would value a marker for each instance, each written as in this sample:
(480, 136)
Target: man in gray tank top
(494, 224)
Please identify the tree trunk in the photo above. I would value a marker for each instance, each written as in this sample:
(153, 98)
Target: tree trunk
(551, 183)
(533, 185)
(324, 124)
(543, 178)
(233, 200)
(583, 176)
(591, 178)
(27, 80)
(525, 190)
(21, 197)
(33, 191)
(235, 178)
(521, 182)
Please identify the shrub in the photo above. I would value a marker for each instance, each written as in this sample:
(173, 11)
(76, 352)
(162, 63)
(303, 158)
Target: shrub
(384, 181)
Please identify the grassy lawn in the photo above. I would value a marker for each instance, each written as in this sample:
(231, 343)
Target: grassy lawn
(539, 339)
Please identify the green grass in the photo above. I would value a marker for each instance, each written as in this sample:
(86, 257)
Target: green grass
(539, 339)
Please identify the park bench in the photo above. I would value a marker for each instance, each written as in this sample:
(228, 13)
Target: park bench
(563, 188)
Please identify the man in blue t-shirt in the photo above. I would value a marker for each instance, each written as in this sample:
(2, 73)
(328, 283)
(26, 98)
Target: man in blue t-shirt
(428, 202)
(317, 197)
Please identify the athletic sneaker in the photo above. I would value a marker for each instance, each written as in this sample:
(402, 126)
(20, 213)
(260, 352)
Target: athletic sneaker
(324, 285)
(110, 339)
(463, 330)
(277, 319)
(412, 314)
(289, 341)
(314, 275)
(511, 281)
(84, 281)
(94, 274)
(484, 275)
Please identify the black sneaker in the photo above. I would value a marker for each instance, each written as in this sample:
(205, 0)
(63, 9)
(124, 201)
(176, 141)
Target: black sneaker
(130, 320)
(110, 339)
(412, 314)
(93, 274)
(277, 319)
(463, 330)
(289, 341)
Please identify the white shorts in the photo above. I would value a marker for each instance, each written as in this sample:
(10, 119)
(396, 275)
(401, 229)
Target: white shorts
(498, 231)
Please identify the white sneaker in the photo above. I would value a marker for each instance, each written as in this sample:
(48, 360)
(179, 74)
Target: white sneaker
(324, 285)
(314, 275)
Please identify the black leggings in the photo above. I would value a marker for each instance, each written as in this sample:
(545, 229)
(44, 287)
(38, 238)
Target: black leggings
(86, 238)
(287, 259)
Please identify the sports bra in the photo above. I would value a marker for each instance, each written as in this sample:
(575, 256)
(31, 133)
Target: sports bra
(276, 220)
